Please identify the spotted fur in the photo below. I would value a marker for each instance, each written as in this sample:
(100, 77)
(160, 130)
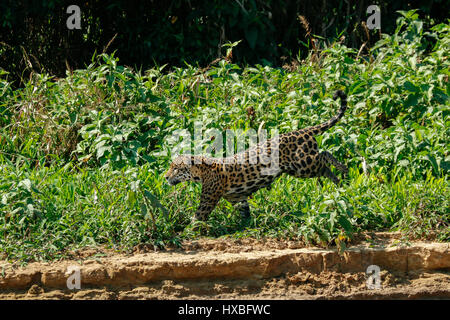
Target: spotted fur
(237, 177)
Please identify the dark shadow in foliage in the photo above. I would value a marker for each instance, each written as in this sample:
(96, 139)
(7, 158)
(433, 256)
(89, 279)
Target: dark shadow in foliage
(34, 35)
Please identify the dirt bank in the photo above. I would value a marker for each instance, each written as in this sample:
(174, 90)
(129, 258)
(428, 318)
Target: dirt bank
(240, 269)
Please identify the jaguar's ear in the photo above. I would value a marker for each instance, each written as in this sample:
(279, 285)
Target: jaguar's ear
(196, 160)
(187, 160)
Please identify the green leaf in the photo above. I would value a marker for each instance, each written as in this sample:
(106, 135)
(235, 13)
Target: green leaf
(26, 183)
(345, 223)
(433, 162)
(101, 151)
(155, 202)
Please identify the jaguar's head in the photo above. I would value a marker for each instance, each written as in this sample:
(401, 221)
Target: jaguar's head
(180, 170)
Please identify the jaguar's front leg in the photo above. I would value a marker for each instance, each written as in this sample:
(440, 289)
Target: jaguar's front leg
(208, 200)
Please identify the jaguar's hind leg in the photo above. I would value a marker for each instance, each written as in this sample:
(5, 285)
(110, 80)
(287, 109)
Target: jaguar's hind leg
(320, 181)
(244, 209)
(327, 158)
(326, 172)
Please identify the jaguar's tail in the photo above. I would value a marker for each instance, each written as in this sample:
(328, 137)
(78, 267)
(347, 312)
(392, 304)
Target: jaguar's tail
(328, 124)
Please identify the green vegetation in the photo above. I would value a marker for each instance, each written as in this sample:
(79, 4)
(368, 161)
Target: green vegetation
(82, 158)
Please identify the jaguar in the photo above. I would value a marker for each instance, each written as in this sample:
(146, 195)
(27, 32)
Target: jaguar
(236, 178)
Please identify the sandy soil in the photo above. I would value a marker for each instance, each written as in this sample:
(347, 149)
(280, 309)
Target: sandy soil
(241, 269)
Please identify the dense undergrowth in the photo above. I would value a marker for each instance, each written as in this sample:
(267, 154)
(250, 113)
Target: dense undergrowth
(82, 158)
